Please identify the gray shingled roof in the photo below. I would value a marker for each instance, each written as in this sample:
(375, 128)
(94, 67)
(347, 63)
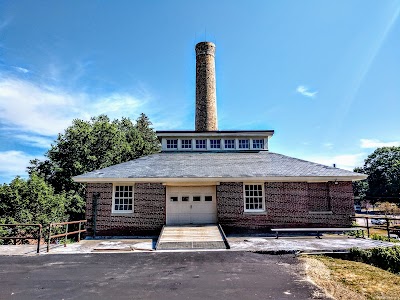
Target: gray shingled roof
(217, 165)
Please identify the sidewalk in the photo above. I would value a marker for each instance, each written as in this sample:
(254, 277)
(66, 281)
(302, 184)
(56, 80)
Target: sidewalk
(304, 244)
(267, 244)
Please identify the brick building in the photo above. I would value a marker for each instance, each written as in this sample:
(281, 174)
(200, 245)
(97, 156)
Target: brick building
(211, 176)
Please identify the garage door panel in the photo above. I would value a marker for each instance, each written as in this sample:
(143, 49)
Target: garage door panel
(205, 218)
(191, 212)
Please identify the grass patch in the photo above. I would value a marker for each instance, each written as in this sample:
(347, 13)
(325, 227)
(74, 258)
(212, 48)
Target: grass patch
(362, 281)
(378, 231)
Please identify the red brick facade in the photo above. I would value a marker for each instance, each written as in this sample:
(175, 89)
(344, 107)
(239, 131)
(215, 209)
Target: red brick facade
(287, 204)
(148, 206)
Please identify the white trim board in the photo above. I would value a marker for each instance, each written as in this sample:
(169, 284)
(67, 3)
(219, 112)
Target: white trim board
(225, 179)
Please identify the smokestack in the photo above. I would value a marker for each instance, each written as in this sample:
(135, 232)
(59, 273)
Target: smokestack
(206, 98)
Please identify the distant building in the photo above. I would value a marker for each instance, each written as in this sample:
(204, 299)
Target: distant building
(212, 176)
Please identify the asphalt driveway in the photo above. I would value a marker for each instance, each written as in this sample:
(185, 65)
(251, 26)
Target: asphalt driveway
(178, 275)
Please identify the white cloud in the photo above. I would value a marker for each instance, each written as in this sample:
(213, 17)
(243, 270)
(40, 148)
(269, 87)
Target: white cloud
(35, 140)
(328, 145)
(374, 143)
(22, 70)
(46, 111)
(13, 163)
(344, 161)
(301, 89)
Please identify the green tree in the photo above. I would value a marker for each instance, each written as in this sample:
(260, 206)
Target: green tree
(360, 188)
(90, 145)
(383, 170)
(35, 201)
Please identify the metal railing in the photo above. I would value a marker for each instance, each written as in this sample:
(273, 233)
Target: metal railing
(390, 224)
(66, 233)
(15, 238)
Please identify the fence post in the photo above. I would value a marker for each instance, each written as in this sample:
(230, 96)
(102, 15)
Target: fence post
(367, 226)
(387, 227)
(66, 235)
(48, 238)
(39, 236)
(79, 233)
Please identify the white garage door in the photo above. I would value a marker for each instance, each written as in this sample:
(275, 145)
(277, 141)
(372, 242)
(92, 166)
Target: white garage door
(191, 205)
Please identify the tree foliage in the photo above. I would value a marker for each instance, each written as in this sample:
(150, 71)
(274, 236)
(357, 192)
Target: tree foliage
(35, 201)
(383, 170)
(90, 145)
(49, 194)
(387, 208)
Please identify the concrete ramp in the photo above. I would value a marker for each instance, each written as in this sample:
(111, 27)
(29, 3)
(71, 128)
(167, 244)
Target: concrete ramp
(192, 237)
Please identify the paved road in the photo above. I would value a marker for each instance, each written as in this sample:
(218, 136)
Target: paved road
(194, 275)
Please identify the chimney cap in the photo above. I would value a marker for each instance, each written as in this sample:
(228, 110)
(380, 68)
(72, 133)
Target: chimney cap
(205, 48)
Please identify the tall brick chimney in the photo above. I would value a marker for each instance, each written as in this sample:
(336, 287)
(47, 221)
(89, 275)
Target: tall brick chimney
(206, 98)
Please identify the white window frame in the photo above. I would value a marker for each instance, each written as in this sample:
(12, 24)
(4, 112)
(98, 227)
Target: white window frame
(113, 210)
(231, 142)
(256, 142)
(183, 146)
(212, 146)
(263, 197)
(241, 144)
(170, 140)
(201, 140)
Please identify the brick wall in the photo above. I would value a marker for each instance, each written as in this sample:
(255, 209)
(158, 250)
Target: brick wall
(287, 204)
(148, 216)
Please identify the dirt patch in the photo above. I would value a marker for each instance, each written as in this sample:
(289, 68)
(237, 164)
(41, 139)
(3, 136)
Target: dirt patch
(319, 274)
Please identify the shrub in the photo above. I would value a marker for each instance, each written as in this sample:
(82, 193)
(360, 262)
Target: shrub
(386, 258)
(379, 237)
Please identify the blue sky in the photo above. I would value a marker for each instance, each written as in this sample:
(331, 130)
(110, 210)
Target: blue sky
(323, 74)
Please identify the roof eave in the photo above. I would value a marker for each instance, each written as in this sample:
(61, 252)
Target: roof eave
(223, 179)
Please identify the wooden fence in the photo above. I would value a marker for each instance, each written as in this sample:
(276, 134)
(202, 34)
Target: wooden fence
(389, 224)
(66, 232)
(24, 237)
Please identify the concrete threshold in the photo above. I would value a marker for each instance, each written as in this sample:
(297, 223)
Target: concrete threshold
(187, 237)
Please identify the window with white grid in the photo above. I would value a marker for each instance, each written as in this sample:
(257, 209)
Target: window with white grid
(244, 144)
(215, 144)
(258, 144)
(201, 144)
(229, 144)
(172, 144)
(186, 144)
(254, 197)
(123, 199)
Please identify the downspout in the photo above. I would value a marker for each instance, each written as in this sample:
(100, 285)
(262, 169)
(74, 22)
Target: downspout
(329, 198)
(95, 198)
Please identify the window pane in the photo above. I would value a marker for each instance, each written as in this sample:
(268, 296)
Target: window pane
(215, 144)
(123, 199)
(229, 144)
(254, 199)
(208, 198)
(200, 144)
(185, 198)
(258, 144)
(244, 144)
(196, 198)
(186, 144)
(172, 144)
(174, 199)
